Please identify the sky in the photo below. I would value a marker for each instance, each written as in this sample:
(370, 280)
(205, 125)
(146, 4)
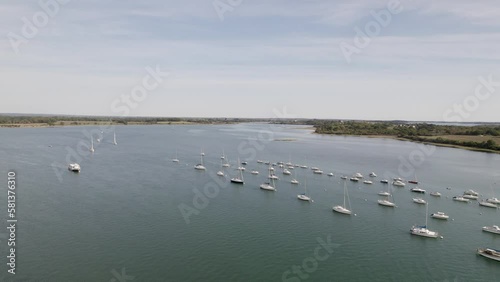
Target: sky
(383, 60)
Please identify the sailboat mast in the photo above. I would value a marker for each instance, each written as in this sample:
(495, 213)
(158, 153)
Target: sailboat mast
(426, 212)
(344, 192)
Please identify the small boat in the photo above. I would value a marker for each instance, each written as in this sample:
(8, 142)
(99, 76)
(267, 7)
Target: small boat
(291, 167)
(372, 174)
(304, 197)
(273, 176)
(220, 173)
(330, 174)
(267, 186)
(398, 183)
(98, 140)
(343, 209)
(114, 139)
(440, 215)
(92, 145)
(487, 204)
(435, 194)
(267, 162)
(386, 203)
(470, 197)
(343, 177)
(303, 166)
(384, 193)
(286, 172)
(419, 201)
(200, 166)
(259, 161)
(271, 168)
(175, 160)
(254, 172)
(385, 181)
(471, 192)
(422, 230)
(398, 179)
(368, 182)
(413, 181)
(318, 171)
(492, 229)
(354, 179)
(74, 167)
(314, 168)
(244, 163)
(489, 253)
(294, 181)
(358, 175)
(238, 180)
(241, 168)
(417, 190)
(460, 199)
(493, 200)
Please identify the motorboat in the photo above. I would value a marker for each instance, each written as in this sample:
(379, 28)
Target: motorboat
(318, 171)
(368, 182)
(488, 204)
(492, 229)
(413, 181)
(493, 200)
(471, 192)
(398, 183)
(440, 215)
(489, 253)
(435, 194)
(460, 199)
(419, 201)
(314, 168)
(417, 190)
(74, 167)
(255, 172)
(385, 181)
(470, 197)
(354, 179)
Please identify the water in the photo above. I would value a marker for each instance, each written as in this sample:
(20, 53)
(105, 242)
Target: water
(121, 213)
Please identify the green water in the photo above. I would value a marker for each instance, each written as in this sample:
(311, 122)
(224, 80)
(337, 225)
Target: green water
(121, 213)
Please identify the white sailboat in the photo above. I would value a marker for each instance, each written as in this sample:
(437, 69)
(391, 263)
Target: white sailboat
(114, 139)
(221, 172)
(175, 160)
(268, 186)
(386, 202)
(200, 166)
(294, 180)
(92, 144)
(303, 196)
(343, 209)
(422, 230)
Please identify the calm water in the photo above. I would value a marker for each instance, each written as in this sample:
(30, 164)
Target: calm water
(121, 213)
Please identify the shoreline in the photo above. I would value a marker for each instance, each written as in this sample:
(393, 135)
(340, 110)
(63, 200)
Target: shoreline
(415, 141)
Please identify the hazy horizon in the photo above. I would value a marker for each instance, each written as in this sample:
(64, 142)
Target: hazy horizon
(253, 59)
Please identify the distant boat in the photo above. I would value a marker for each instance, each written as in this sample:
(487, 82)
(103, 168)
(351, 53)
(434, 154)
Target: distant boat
(489, 253)
(238, 180)
(221, 172)
(413, 181)
(419, 201)
(440, 215)
(330, 174)
(317, 171)
(175, 160)
(74, 167)
(368, 182)
(343, 177)
(493, 200)
(385, 181)
(255, 172)
(358, 175)
(303, 196)
(354, 179)
(417, 190)
(398, 183)
(384, 193)
(386, 202)
(114, 139)
(294, 181)
(92, 144)
(343, 209)
(422, 230)
(460, 199)
(286, 172)
(470, 197)
(487, 204)
(492, 229)
(435, 194)
(471, 192)
(271, 174)
(200, 166)
(268, 186)
(372, 174)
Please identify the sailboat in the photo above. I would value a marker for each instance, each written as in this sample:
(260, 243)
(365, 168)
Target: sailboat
(200, 166)
(238, 180)
(386, 202)
(114, 139)
(304, 196)
(294, 180)
(175, 160)
(92, 144)
(268, 186)
(422, 230)
(343, 209)
(221, 172)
